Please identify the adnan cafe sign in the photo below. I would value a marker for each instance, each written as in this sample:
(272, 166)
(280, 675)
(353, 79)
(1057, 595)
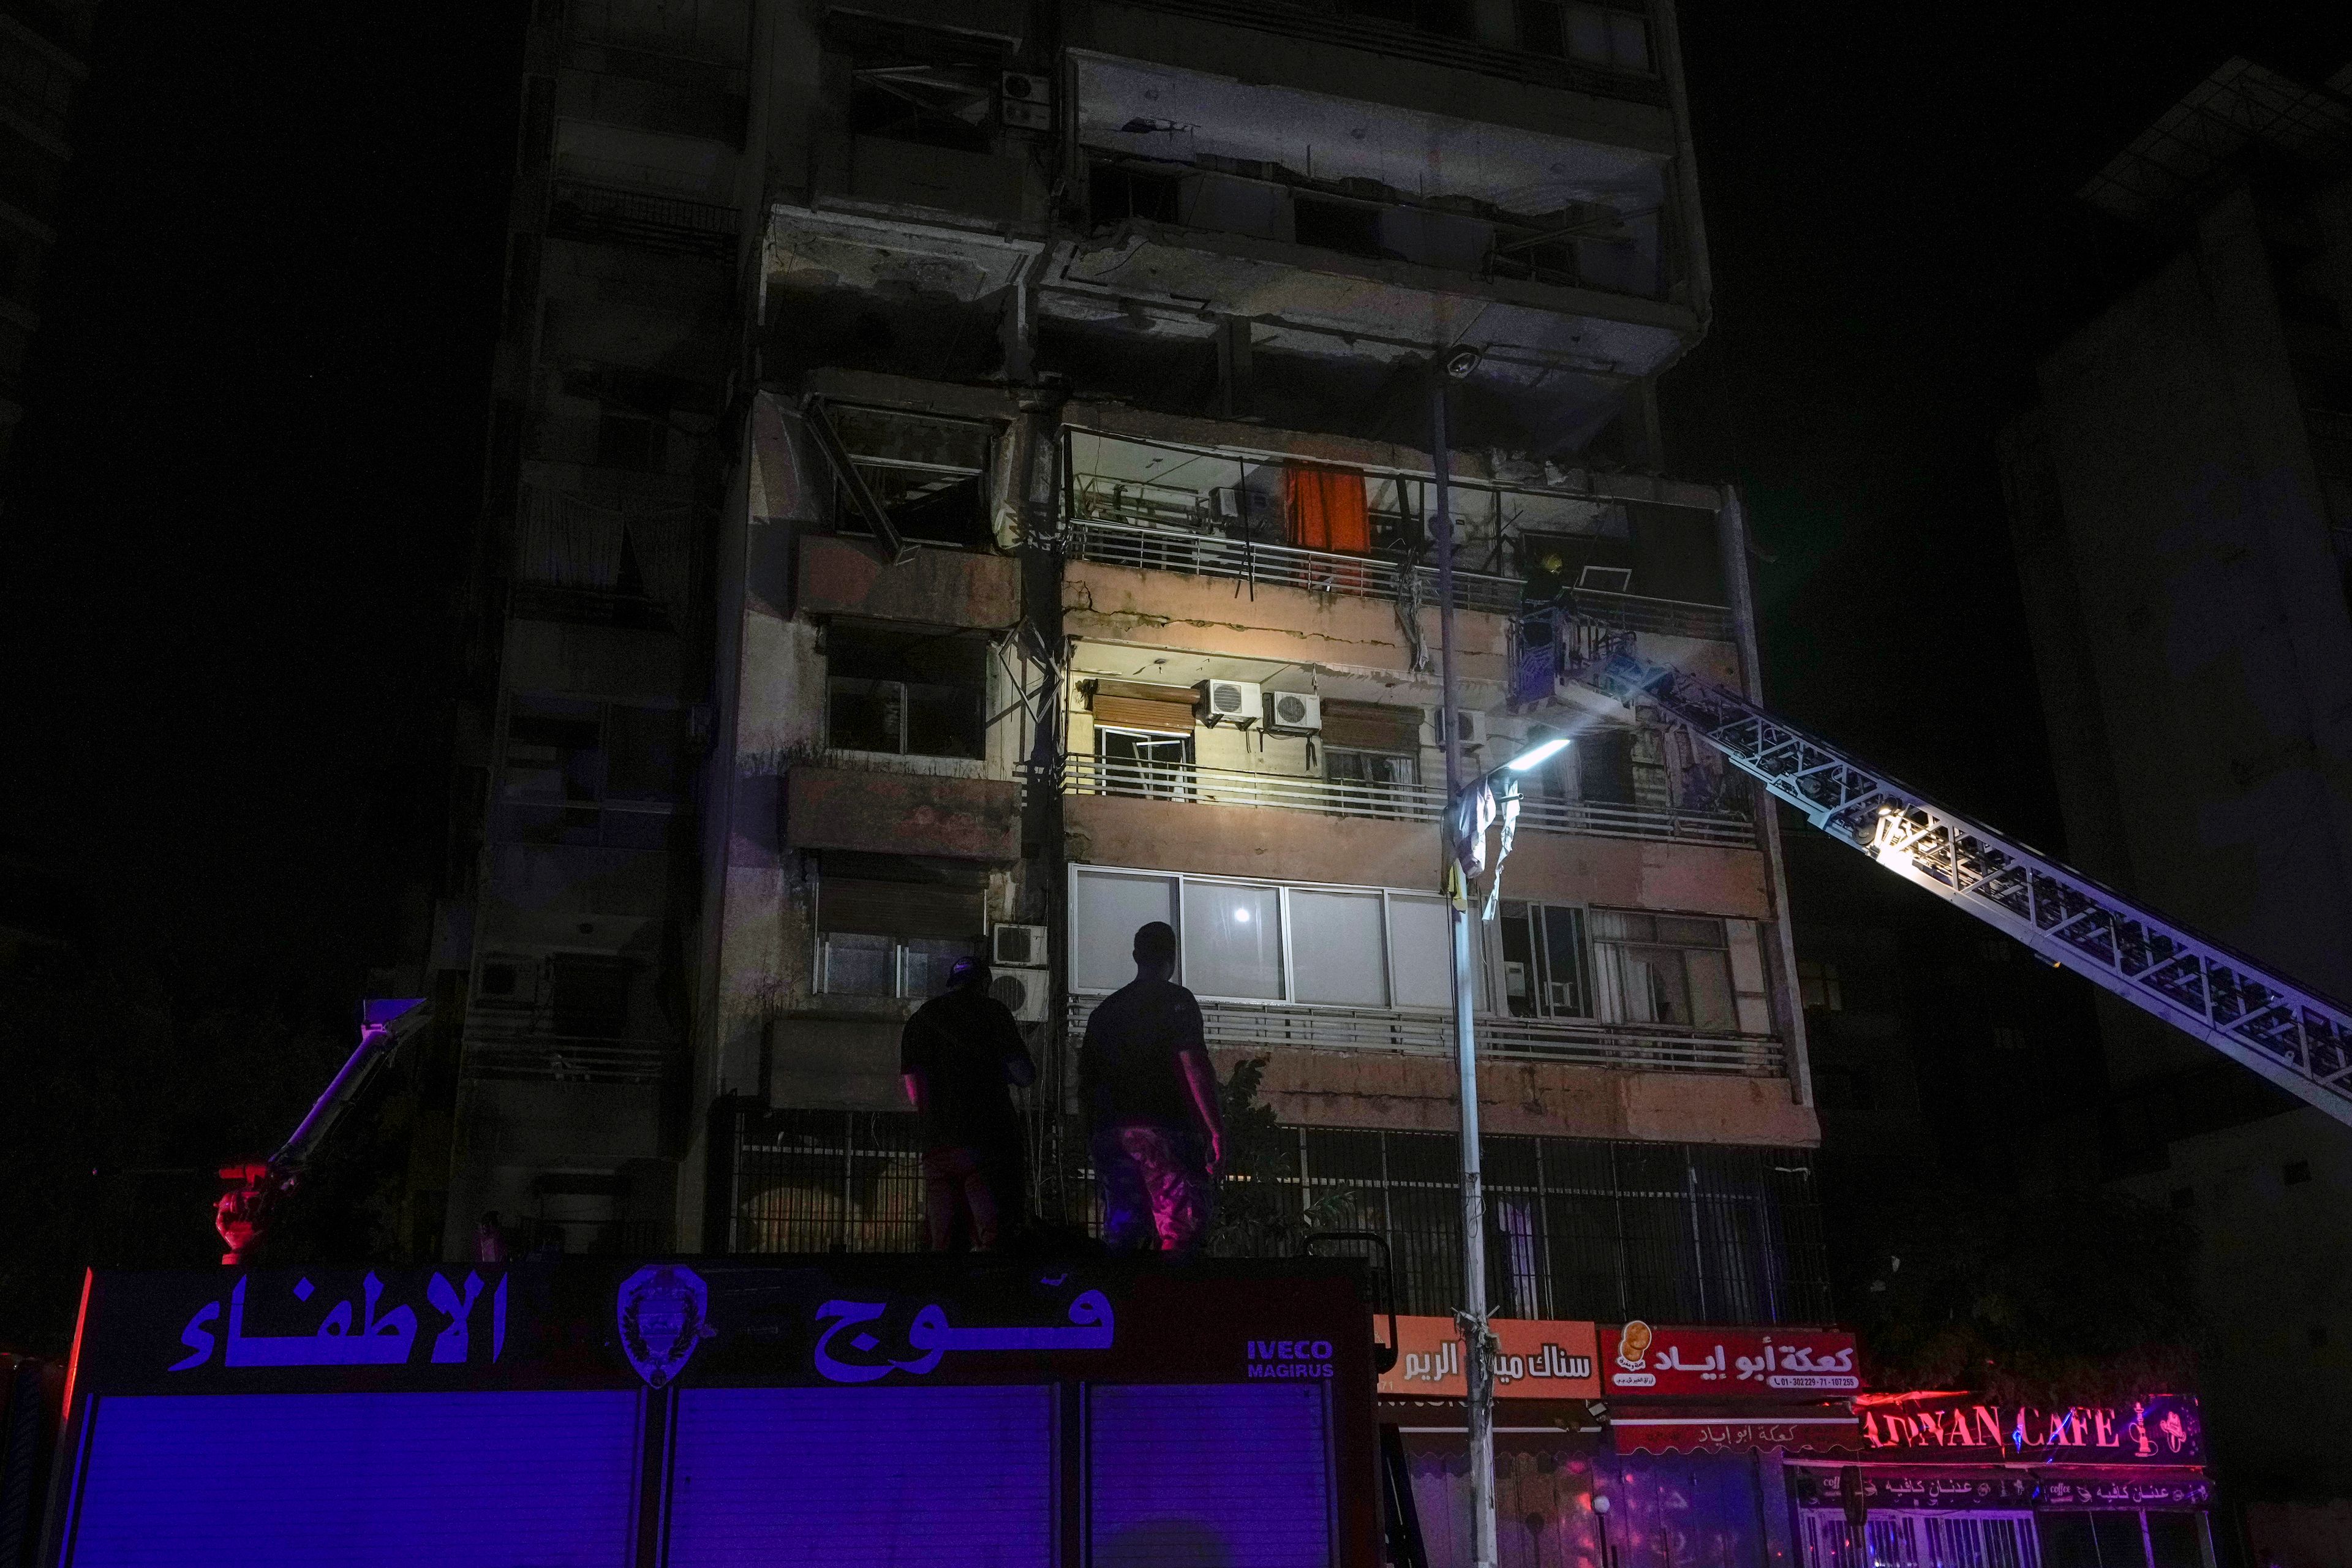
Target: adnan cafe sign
(2153, 1429)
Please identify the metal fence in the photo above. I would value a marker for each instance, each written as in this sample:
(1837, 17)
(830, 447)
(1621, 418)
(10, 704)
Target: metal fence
(1116, 544)
(1581, 1228)
(515, 1049)
(1184, 781)
(1664, 618)
(603, 215)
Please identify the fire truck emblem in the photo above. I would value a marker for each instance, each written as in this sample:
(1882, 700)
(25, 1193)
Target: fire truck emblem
(665, 1311)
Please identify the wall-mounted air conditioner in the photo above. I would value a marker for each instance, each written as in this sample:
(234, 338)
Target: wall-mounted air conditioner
(1029, 992)
(1017, 947)
(1471, 726)
(1294, 714)
(1514, 979)
(1026, 102)
(1235, 702)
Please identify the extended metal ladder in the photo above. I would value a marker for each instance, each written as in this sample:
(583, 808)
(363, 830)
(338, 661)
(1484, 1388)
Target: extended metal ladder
(2294, 1037)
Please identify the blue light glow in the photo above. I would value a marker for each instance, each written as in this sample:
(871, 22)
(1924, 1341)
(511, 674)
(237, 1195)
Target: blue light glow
(948, 1478)
(257, 1481)
(1220, 1475)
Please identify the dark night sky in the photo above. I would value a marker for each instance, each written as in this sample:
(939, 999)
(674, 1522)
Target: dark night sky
(256, 407)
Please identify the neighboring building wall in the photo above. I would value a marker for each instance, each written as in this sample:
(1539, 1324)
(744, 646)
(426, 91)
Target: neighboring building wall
(43, 47)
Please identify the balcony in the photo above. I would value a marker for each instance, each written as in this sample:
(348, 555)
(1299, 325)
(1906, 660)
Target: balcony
(1630, 1047)
(515, 1050)
(1158, 548)
(1661, 617)
(1420, 803)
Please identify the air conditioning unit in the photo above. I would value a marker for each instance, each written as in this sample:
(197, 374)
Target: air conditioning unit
(1234, 702)
(1559, 996)
(1515, 978)
(1029, 992)
(1026, 102)
(1017, 947)
(1294, 714)
(1471, 727)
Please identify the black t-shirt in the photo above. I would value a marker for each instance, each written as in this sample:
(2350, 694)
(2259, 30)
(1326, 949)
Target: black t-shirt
(1128, 1072)
(962, 1043)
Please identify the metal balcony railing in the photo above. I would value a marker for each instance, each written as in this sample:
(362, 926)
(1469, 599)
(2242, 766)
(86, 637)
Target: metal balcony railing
(1664, 618)
(1395, 802)
(1117, 544)
(514, 1050)
(1640, 1047)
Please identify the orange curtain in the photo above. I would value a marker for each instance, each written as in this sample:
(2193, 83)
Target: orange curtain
(1327, 510)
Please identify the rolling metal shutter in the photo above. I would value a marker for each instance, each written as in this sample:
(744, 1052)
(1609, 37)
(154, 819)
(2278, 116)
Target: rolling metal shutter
(1372, 727)
(1139, 705)
(1185, 1474)
(352, 1480)
(864, 1478)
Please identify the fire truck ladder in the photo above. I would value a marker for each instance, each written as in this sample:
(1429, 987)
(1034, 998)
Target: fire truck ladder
(2294, 1037)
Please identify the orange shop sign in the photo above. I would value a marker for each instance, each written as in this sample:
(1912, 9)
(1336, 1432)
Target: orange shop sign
(1541, 1359)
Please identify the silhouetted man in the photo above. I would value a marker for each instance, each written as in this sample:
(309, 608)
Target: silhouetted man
(959, 1054)
(1151, 1102)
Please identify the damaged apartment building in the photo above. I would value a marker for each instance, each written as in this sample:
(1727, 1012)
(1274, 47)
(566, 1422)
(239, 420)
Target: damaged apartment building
(963, 481)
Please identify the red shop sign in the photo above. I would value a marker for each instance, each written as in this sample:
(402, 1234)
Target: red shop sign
(1719, 1434)
(1646, 1360)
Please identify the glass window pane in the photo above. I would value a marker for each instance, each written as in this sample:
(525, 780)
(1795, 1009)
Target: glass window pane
(1335, 948)
(1690, 931)
(2177, 1539)
(864, 715)
(945, 721)
(1233, 939)
(857, 965)
(1420, 944)
(1104, 911)
(928, 961)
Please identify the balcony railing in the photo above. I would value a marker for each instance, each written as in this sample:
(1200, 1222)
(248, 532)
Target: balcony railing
(1153, 549)
(1664, 618)
(514, 1050)
(1394, 803)
(1640, 1047)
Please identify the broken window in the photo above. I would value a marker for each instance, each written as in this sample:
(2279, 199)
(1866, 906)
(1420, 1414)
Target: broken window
(907, 692)
(937, 105)
(1543, 961)
(1351, 227)
(1612, 37)
(892, 925)
(1140, 762)
(930, 475)
(1663, 969)
(1117, 191)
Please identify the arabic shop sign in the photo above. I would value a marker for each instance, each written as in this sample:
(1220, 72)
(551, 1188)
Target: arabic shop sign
(1647, 1360)
(1955, 1487)
(347, 1333)
(1540, 1359)
(1727, 1435)
(2155, 1429)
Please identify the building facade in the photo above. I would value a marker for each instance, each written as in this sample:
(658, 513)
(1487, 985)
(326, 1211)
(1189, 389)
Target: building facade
(44, 61)
(2181, 509)
(964, 476)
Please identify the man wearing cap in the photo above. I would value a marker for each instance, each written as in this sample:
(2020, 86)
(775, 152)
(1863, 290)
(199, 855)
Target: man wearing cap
(1151, 1100)
(960, 1052)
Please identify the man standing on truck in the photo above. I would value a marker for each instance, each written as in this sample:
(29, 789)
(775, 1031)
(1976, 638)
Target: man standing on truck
(1150, 1098)
(959, 1053)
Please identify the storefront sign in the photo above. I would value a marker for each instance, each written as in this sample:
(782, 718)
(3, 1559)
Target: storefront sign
(2134, 1492)
(1645, 1361)
(1954, 1486)
(1677, 1434)
(1541, 1359)
(2157, 1429)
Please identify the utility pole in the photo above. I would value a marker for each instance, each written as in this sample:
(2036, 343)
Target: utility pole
(1477, 1371)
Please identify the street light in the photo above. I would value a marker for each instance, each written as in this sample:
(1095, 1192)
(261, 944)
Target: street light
(1477, 1365)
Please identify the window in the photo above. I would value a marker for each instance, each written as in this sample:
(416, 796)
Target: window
(1543, 962)
(589, 772)
(1143, 762)
(1663, 969)
(930, 474)
(1368, 778)
(1117, 191)
(1263, 941)
(1446, 18)
(892, 926)
(1604, 766)
(1818, 985)
(906, 694)
(1595, 34)
(936, 105)
(1354, 227)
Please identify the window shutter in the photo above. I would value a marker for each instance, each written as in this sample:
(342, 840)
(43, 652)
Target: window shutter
(1136, 705)
(1372, 727)
(899, 908)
